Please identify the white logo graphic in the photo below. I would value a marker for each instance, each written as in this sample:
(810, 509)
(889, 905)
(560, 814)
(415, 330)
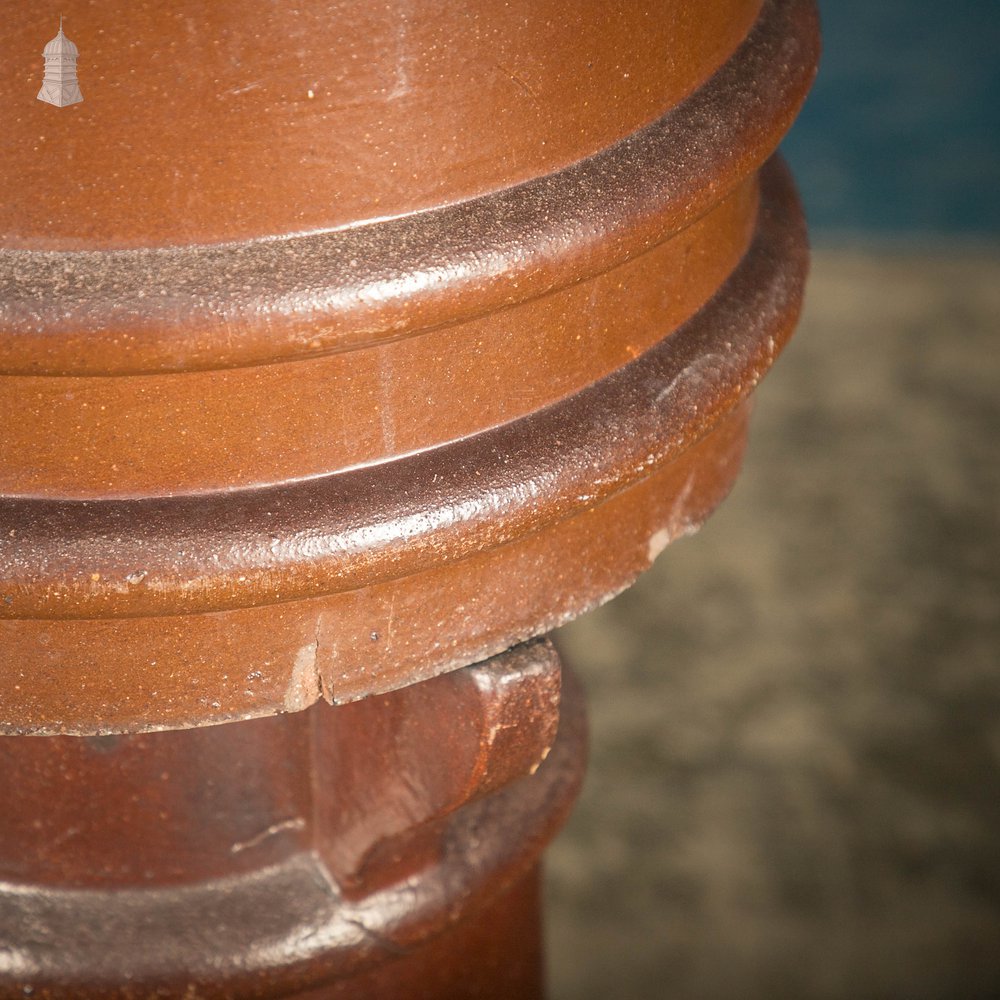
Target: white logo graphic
(60, 86)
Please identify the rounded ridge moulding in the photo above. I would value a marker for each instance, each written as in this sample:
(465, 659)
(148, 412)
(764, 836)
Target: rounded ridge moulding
(76, 559)
(134, 311)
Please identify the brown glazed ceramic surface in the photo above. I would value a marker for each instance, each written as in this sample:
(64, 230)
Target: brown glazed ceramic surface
(255, 450)
(392, 572)
(344, 345)
(144, 435)
(205, 123)
(376, 848)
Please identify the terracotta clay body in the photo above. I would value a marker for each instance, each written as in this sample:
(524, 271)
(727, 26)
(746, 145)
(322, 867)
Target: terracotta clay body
(391, 341)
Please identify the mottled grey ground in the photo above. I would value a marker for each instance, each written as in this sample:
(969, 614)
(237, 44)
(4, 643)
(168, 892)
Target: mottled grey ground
(795, 781)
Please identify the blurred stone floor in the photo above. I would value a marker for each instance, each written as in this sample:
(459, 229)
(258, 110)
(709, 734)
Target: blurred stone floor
(794, 789)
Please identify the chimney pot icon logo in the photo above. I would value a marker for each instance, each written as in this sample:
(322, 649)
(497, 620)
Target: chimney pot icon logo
(60, 87)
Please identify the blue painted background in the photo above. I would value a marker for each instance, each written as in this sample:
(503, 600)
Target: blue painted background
(901, 133)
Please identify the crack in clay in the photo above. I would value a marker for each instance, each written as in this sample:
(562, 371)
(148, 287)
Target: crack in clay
(298, 823)
(324, 686)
